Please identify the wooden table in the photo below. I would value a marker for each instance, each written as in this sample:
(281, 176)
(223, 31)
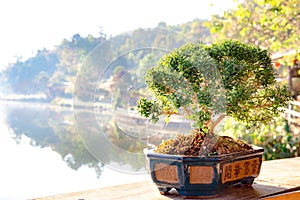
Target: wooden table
(276, 176)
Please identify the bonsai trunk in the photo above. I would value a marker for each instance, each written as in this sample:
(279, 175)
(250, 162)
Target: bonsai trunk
(199, 143)
(214, 123)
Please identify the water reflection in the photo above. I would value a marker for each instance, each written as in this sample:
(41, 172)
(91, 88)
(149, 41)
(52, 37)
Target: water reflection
(51, 127)
(110, 145)
(94, 147)
(40, 148)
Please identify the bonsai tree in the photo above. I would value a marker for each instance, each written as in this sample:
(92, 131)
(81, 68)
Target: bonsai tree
(205, 84)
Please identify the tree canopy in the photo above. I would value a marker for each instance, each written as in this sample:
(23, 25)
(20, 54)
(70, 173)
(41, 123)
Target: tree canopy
(223, 79)
(270, 24)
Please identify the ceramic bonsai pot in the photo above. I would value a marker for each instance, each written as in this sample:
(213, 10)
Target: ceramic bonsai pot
(203, 176)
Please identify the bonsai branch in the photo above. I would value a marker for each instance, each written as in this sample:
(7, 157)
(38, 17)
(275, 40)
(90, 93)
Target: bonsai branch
(215, 123)
(169, 113)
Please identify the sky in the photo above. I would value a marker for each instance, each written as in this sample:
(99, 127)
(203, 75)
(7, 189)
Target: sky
(31, 25)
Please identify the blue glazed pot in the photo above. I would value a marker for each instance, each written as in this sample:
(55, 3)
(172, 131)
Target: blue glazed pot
(203, 176)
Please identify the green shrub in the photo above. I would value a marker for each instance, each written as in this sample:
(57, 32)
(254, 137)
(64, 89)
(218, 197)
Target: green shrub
(275, 138)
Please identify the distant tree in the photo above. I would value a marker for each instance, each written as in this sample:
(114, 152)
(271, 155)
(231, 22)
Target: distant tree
(272, 24)
(41, 81)
(23, 77)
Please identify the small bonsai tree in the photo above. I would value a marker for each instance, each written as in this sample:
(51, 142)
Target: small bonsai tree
(205, 84)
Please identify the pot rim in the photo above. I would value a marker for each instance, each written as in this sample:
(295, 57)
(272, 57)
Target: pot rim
(149, 152)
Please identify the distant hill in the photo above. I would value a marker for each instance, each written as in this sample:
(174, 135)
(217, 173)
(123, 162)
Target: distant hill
(53, 73)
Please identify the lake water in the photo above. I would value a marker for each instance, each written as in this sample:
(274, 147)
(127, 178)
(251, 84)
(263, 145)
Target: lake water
(47, 150)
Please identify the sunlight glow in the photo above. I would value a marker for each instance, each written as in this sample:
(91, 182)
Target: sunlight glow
(27, 26)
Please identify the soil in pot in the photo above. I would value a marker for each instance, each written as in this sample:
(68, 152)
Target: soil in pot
(198, 143)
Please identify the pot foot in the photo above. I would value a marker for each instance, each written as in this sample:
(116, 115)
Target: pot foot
(248, 182)
(163, 190)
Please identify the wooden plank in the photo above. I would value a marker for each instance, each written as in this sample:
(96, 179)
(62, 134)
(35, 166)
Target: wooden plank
(286, 196)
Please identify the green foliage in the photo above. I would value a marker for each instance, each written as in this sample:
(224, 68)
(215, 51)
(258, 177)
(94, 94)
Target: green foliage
(275, 137)
(247, 75)
(272, 24)
(200, 82)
